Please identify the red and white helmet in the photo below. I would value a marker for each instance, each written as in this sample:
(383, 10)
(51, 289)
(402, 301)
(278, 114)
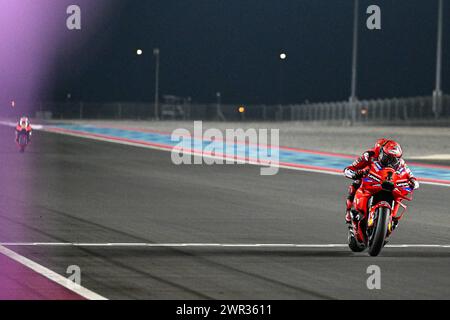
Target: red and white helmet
(379, 144)
(390, 154)
(24, 122)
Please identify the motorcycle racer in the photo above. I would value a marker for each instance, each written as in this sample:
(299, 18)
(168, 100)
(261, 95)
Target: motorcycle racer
(23, 124)
(387, 153)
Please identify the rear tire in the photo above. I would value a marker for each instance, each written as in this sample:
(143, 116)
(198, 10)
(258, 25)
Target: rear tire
(377, 241)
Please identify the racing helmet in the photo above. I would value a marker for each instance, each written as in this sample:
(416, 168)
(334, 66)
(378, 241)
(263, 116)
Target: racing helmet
(390, 154)
(24, 122)
(380, 142)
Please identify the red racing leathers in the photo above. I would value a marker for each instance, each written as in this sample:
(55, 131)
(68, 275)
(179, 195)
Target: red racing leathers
(358, 169)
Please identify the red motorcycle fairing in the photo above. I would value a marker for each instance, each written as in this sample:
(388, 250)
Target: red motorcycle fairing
(372, 184)
(23, 138)
(20, 128)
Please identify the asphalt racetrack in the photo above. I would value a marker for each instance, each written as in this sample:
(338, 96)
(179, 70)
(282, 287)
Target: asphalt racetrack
(81, 191)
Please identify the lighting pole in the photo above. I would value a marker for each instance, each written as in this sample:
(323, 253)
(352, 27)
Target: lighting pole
(437, 94)
(352, 100)
(283, 57)
(219, 113)
(156, 54)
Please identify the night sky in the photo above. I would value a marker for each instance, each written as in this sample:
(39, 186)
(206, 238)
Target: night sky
(233, 47)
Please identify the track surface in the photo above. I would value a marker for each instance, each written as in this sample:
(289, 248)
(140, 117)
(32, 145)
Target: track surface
(88, 191)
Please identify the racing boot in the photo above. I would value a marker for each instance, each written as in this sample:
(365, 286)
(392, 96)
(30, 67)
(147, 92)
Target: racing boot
(356, 215)
(394, 224)
(348, 216)
(349, 203)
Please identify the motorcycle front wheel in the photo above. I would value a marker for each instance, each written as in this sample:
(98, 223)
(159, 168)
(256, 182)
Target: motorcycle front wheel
(23, 141)
(379, 233)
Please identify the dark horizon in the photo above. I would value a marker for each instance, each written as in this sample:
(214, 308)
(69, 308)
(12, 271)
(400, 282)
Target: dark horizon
(233, 47)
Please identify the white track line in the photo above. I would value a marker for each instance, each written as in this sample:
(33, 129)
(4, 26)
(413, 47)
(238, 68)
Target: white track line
(204, 245)
(433, 157)
(13, 124)
(51, 275)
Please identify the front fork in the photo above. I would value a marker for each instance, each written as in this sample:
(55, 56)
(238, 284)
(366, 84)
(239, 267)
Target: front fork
(373, 218)
(362, 228)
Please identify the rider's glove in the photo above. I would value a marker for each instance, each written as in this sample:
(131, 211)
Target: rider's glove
(413, 183)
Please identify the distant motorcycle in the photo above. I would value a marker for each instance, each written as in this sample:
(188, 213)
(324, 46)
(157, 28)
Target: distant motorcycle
(23, 139)
(385, 190)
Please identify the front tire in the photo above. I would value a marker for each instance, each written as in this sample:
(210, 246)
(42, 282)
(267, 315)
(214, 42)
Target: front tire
(381, 228)
(23, 141)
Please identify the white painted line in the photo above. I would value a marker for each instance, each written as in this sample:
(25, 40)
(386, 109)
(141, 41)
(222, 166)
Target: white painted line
(80, 135)
(435, 183)
(8, 123)
(51, 275)
(204, 245)
(433, 157)
(13, 124)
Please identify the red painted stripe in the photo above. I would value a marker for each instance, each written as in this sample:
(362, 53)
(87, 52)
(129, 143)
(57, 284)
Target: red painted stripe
(295, 165)
(266, 162)
(198, 152)
(331, 154)
(325, 153)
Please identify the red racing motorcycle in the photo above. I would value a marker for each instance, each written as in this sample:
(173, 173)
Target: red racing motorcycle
(22, 137)
(378, 208)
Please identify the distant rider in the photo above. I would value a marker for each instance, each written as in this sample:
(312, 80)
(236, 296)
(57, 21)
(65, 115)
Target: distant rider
(24, 124)
(387, 153)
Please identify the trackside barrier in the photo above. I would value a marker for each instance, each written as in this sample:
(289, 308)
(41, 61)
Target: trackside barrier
(395, 110)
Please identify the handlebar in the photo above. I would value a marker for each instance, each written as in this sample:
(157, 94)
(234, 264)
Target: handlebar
(391, 186)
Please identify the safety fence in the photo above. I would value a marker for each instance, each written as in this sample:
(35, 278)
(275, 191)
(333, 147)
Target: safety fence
(378, 110)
